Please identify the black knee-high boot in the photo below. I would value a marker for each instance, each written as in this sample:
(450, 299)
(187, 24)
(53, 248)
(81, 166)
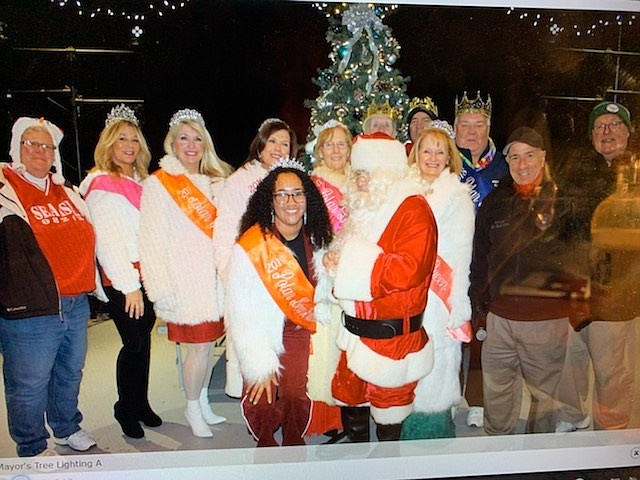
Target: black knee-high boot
(127, 379)
(145, 413)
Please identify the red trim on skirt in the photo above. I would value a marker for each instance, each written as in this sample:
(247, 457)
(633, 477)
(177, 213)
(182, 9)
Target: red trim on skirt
(201, 333)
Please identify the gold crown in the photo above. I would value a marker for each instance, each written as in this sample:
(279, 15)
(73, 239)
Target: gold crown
(384, 109)
(423, 103)
(473, 106)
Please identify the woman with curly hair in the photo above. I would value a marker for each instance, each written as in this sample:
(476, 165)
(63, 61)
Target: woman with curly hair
(112, 191)
(269, 304)
(273, 141)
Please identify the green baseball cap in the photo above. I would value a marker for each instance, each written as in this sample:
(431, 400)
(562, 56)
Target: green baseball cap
(609, 107)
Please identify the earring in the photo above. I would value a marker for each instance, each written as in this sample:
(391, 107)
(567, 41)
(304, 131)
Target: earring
(304, 218)
(272, 218)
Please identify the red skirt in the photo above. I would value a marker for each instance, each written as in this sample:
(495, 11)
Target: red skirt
(201, 333)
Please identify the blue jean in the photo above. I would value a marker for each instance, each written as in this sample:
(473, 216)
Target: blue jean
(43, 361)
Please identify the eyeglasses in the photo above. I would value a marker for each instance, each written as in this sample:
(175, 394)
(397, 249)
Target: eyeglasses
(34, 144)
(613, 127)
(282, 198)
(340, 145)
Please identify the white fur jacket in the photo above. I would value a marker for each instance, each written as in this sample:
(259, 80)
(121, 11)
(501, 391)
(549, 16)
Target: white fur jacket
(232, 203)
(453, 209)
(116, 222)
(176, 257)
(253, 320)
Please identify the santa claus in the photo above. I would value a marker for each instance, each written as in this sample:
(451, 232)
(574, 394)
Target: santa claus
(381, 262)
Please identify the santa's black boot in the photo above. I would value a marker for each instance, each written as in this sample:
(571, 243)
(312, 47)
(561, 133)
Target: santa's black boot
(387, 433)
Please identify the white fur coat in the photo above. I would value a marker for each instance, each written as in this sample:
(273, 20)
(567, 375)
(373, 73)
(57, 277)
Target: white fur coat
(454, 212)
(176, 257)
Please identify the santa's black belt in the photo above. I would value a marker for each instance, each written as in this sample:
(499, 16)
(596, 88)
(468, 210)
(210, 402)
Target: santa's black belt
(380, 328)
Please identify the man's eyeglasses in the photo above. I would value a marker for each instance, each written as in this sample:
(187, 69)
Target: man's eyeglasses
(282, 198)
(34, 144)
(613, 127)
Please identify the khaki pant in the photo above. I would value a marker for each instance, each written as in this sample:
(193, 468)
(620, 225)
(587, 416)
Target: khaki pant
(610, 346)
(533, 351)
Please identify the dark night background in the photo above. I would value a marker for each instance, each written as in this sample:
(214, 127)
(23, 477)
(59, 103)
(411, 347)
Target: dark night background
(239, 62)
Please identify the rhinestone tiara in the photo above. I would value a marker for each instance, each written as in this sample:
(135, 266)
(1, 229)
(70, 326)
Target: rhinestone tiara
(121, 113)
(286, 162)
(444, 125)
(186, 114)
(269, 121)
(474, 106)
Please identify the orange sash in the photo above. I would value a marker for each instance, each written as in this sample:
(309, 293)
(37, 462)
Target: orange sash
(282, 276)
(195, 205)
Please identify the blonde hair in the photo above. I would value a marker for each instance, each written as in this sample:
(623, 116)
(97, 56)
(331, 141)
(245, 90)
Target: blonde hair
(326, 135)
(103, 153)
(210, 164)
(454, 160)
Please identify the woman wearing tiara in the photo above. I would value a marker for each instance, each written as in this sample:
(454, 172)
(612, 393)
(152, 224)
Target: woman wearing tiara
(331, 175)
(112, 191)
(269, 303)
(435, 164)
(176, 253)
(273, 141)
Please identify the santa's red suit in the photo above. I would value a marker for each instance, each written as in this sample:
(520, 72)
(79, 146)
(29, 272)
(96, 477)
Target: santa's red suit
(387, 251)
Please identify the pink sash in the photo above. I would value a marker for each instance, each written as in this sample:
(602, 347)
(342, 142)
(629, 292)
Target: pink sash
(441, 282)
(332, 197)
(128, 188)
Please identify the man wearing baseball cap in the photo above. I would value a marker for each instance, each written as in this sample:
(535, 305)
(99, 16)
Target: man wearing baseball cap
(518, 238)
(609, 129)
(607, 345)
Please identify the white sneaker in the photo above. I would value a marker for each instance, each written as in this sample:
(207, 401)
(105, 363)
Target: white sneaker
(80, 441)
(565, 427)
(475, 417)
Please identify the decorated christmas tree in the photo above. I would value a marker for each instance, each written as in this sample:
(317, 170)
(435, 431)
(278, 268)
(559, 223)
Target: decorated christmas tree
(363, 55)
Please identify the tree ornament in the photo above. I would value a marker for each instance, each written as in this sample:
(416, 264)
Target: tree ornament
(365, 56)
(343, 51)
(341, 111)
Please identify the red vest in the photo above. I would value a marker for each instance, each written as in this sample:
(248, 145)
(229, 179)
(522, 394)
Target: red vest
(65, 237)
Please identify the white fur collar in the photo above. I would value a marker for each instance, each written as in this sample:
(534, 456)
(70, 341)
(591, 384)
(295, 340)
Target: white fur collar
(443, 188)
(336, 179)
(172, 165)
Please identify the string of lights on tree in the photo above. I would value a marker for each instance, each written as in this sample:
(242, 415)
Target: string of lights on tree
(337, 9)
(363, 54)
(138, 12)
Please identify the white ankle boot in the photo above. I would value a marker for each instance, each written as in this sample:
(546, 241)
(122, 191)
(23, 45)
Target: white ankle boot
(196, 421)
(209, 415)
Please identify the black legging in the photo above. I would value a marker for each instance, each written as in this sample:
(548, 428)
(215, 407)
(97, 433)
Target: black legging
(132, 365)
